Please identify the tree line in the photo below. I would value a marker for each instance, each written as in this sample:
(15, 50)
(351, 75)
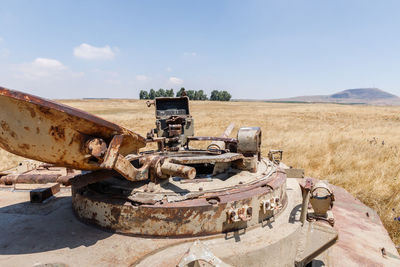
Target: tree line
(192, 94)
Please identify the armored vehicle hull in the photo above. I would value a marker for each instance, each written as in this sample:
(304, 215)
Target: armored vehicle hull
(97, 200)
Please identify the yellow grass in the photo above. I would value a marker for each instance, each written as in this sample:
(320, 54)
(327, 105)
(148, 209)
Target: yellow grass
(356, 147)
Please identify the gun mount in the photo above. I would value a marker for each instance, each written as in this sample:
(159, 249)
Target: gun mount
(180, 205)
(173, 122)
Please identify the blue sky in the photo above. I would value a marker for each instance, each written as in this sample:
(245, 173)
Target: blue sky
(253, 49)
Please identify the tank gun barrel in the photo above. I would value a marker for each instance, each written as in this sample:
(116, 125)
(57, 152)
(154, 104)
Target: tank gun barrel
(173, 169)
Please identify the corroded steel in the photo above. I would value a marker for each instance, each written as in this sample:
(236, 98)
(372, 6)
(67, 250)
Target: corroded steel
(42, 174)
(249, 140)
(112, 152)
(179, 170)
(173, 121)
(306, 199)
(211, 138)
(85, 179)
(39, 178)
(206, 158)
(47, 131)
(67, 241)
(220, 145)
(243, 207)
(41, 194)
(202, 215)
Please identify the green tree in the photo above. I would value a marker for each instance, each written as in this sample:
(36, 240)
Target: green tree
(201, 95)
(179, 93)
(190, 94)
(196, 95)
(160, 93)
(152, 94)
(224, 96)
(227, 96)
(214, 95)
(143, 94)
(170, 93)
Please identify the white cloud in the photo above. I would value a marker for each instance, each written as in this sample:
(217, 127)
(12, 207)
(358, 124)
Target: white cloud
(44, 68)
(142, 78)
(87, 51)
(190, 54)
(48, 63)
(176, 81)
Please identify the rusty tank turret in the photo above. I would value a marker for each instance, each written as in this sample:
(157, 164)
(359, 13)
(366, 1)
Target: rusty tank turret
(174, 205)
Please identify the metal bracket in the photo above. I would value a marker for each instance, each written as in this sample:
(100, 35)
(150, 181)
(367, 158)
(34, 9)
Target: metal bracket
(112, 152)
(275, 156)
(270, 204)
(111, 159)
(240, 214)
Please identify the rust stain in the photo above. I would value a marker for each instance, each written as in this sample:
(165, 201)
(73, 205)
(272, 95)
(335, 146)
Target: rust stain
(32, 111)
(24, 146)
(57, 132)
(115, 212)
(4, 145)
(26, 128)
(4, 125)
(45, 110)
(190, 217)
(54, 110)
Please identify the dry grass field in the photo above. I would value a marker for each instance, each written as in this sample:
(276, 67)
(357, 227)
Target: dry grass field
(356, 147)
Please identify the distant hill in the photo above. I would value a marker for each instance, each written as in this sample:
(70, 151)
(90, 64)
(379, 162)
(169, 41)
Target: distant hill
(371, 96)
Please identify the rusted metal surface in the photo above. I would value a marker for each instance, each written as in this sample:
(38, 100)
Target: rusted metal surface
(29, 178)
(275, 156)
(47, 131)
(173, 122)
(306, 200)
(361, 237)
(41, 194)
(96, 147)
(249, 140)
(220, 145)
(196, 159)
(254, 247)
(275, 244)
(205, 214)
(178, 170)
(321, 199)
(40, 175)
(248, 164)
(226, 207)
(242, 214)
(209, 138)
(361, 233)
(85, 179)
(112, 152)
